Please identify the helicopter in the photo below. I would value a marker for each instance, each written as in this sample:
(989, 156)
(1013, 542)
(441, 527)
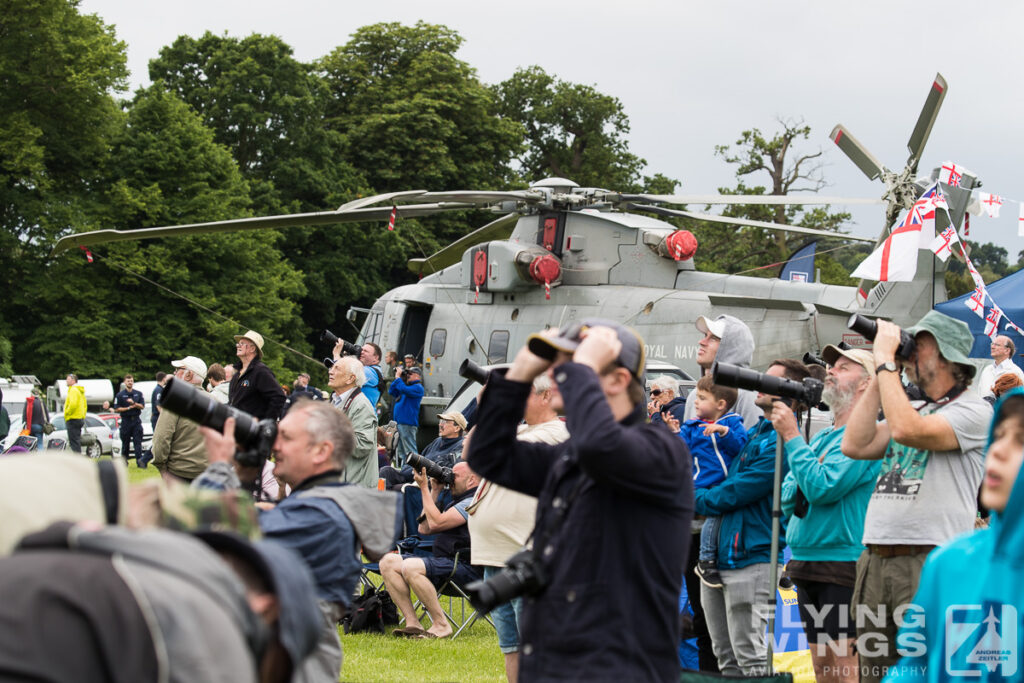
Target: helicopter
(559, 253)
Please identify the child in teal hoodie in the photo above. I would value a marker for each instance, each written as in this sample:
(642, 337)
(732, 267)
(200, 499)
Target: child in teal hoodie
(965, 623)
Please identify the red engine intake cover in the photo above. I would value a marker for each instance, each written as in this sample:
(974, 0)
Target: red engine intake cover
(681, 244)
(545, 269)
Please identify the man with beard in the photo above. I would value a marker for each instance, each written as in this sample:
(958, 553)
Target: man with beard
(931, 452)
(825, 495)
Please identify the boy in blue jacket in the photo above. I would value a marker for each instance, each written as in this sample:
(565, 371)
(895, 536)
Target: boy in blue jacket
(714, 438)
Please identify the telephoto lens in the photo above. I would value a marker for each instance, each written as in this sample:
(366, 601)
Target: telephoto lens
(813, 359)
(474, 372)
(255, 437)
(868, 328)
(807, 392)
(329, 337)
(433, 470)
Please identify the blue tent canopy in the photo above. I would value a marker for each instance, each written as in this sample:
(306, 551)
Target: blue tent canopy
(1009, 294)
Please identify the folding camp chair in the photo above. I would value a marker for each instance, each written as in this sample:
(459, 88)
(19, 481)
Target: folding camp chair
(455, 593)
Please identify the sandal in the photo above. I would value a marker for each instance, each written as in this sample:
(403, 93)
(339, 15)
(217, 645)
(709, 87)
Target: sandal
(408, 632)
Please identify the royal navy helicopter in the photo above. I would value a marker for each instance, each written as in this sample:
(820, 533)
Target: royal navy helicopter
(560, 252)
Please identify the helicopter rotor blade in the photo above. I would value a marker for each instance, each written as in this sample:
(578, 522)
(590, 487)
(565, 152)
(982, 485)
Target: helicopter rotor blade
(378, 198)
(746, 199)
(86, 239)
(923, 128)
(857, 152)
(747, 222)
(497, 229)
(484, 196)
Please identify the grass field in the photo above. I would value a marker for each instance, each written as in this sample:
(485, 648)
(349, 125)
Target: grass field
(473, 656)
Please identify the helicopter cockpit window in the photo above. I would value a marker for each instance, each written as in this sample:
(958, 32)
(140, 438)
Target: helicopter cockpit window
(497, 348)
(437, 341)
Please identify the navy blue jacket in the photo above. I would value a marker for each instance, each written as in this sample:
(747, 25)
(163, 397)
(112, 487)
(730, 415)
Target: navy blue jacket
(124, 399)
(676, 407)
(744, 501)
(615, 565)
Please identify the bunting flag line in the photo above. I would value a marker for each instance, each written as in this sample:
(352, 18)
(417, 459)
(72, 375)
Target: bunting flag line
(1020, 222)
(991, 203)
(975, 275)
(88, 254)
(391, 221)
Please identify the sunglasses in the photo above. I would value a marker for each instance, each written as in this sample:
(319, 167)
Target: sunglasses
(656, 392)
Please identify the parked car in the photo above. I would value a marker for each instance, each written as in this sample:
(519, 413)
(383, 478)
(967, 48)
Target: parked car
(147, 431)
(97, 437)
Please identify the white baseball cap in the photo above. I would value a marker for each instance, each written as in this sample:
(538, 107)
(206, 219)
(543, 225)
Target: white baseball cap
(715, 327)
(192, 364)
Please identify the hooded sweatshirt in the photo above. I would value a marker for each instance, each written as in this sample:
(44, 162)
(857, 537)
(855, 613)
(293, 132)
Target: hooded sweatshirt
(736, 348)
(973, 584)
(74, 404)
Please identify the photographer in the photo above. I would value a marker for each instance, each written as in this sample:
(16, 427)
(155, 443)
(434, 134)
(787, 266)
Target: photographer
(613, 503)
(931, 456)
(824, 496)
(312, 444)
(424, 574)
(734, 613)
(445, 450)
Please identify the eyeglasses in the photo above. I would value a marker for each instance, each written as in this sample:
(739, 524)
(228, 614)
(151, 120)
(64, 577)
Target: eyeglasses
(445, 421)
(656, 392)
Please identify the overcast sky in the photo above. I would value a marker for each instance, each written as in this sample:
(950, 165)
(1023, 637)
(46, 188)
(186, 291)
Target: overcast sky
(693, 75)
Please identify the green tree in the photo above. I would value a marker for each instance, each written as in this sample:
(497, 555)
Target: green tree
(572, 130)
(100, 319)
(58, 70)
(990, 260)
(786, 172)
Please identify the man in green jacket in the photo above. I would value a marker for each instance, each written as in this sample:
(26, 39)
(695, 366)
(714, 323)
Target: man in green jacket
(178, 447)
(346, 378)
(74, 413)
(825, 496)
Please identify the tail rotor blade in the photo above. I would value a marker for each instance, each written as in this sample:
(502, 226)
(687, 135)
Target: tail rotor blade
(858, 154)
(926, 120)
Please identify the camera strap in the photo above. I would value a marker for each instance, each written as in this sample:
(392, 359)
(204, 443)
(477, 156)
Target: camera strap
(351, 397)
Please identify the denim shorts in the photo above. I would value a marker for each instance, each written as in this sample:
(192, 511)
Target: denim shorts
(506, 618)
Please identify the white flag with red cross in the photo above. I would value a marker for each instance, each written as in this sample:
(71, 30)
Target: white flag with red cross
(992, 321)
(1020, 221)
(896, 259)
(951, 174)
(943, 244)
(976, 302)
(991, 203)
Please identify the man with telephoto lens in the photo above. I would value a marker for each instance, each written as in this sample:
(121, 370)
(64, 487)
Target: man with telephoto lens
(614, 502)
(932, 462)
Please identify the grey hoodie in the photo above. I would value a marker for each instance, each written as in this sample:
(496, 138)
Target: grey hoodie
(736, 348)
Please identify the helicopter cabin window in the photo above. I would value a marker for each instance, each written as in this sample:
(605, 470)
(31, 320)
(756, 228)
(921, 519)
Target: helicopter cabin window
(437, 341)
(497, 349)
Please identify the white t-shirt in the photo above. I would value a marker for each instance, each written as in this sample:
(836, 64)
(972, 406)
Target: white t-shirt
(500, 519)
(928, 497)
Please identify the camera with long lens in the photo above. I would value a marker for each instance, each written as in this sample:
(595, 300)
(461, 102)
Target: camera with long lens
(868, 328)
(814, 359)
(807, 392)
(523, 575)
(255, 437)
(433, 470)
(471, 371)
(347, 348)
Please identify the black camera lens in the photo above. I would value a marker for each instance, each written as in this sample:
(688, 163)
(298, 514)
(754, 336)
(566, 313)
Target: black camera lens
(253, 435)
(329, 337)
(807, 392)
(433, 470)
(474, 372)
(868, 328)
(523, 575)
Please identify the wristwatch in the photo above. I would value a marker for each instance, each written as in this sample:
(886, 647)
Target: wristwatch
(887, 366)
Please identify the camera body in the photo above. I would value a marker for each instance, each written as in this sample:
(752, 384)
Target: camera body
(256, 437)
(807, 392)
(523, 575)
(433, 470)
(347, 348)
(868, 328)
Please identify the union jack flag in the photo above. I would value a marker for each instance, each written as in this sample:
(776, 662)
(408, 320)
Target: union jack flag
(979, 282)
(992, 321)
(977, 302)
